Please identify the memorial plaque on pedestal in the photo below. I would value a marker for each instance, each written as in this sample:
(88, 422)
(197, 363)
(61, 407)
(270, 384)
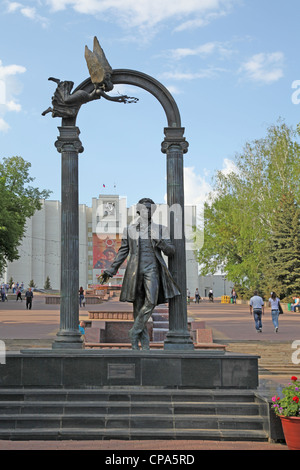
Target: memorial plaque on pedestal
(121, 371)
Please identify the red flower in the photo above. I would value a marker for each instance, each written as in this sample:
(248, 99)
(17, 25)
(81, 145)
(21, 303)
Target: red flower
(294, 378)
(296, 399)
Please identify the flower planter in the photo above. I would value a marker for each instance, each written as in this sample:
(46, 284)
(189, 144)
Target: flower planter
(291, 430)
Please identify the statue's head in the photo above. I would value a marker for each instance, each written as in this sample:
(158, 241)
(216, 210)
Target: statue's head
(146, 204)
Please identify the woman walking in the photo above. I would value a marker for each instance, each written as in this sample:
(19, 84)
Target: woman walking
(81, 295)
(274, 304)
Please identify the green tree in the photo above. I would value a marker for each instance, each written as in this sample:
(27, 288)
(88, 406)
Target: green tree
(31, 283)
(19, 201)
(284, 259)
(47, 284)
(241, 213)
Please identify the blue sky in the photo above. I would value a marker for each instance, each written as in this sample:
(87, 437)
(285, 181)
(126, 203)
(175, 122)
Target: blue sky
(229, 64)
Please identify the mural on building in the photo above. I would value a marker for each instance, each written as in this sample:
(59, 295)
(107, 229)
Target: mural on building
(105, 248)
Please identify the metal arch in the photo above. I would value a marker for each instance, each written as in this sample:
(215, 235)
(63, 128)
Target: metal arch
(148, 83)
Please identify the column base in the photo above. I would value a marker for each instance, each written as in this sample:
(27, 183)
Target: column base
(178, 340)
(68, 340)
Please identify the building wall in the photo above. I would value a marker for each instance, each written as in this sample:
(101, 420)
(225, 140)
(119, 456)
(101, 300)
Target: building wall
(85, 218)
(191, 262)
(217, 283)
(40, 249)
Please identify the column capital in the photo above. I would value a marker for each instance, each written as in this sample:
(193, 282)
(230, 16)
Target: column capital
(174, 138)
(68, 140)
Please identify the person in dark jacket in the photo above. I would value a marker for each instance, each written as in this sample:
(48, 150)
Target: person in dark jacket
(147, 281)
(29, 297)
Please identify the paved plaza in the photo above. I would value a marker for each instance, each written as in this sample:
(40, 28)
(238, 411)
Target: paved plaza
(230, 324)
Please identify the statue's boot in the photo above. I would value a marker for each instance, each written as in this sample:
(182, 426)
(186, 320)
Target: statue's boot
(145, 341)
(135, 345)
(134, 340)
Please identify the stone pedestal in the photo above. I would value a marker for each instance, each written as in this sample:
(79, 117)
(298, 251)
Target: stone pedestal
(107, 368)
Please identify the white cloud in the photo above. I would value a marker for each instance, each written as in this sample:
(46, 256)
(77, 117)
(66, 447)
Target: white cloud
(196, 188)
(203, 51)
(216, 49)
(4, 127)
(149, 12)
(13, 106)
(174, 90)
(13, 6)
(28, 12)
(196, 191)
(206, 18)
(7, 70)
(142, 15)
(209, 72)
(9, 88)
(229, 167)
(264, 68)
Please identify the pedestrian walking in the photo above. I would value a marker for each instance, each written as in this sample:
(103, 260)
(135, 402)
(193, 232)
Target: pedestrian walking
(29, 297)
(197, 295)
(257, 309)
(3, 294)
(188, 295)
(81, 295)
(274, 303)
(19, 295)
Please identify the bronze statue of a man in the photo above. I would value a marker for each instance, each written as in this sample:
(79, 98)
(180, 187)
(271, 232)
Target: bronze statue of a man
(147, 281)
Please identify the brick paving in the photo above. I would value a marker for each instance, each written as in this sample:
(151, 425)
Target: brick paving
(230, 324)
(155, 446)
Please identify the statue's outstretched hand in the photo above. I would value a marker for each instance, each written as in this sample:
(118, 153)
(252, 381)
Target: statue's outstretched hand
(103, 278)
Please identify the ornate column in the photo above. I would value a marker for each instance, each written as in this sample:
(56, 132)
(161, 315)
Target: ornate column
(175, 145)
(69, 145)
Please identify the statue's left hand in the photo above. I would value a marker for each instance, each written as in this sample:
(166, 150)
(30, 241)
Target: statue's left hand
(155, 238)
(103, 278)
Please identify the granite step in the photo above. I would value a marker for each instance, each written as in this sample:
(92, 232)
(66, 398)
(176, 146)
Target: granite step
(132, 413)
(133, 434)
(133, 394)
(130, 421)
(17, 408)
